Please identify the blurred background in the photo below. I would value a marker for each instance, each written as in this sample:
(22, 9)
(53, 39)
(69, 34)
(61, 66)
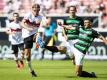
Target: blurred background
(96, 9)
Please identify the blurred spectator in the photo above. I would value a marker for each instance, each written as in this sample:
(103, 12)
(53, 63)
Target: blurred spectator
(1, 6)
(104, 20)
(56, 8)
(88, 9)
(19, 5)
(81, 7)
(8, 7)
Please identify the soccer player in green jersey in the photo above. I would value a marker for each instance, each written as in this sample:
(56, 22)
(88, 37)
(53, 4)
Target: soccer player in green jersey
(71, 26)
(73, 21)
(85, 38)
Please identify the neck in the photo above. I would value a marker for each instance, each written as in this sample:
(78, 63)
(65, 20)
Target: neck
(87, 28)
(35, 14)
(73, 16)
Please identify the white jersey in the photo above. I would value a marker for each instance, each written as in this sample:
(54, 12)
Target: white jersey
(15, 38)
(31, 19)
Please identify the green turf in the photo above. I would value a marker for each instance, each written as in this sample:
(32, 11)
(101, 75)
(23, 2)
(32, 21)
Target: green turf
(51, 70)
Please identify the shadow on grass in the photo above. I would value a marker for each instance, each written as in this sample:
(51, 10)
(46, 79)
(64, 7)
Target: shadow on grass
(78, 77)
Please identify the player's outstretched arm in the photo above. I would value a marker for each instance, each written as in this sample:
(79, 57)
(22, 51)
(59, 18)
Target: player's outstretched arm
(103, 39)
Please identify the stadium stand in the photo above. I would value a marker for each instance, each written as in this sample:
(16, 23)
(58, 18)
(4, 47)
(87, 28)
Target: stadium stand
(56, 6)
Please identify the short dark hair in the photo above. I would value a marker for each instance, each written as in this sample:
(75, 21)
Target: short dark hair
(68, 8)
(88, 18)
(36, 5)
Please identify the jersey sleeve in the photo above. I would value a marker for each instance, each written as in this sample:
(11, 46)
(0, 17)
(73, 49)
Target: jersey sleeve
(96, 34)
(9, 27)
(26, 17)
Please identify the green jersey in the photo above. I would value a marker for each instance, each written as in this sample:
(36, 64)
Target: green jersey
(75, 22)
(85, 39)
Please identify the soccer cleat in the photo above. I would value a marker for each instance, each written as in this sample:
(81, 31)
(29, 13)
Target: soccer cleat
(93, 75)
(18, 66)
(33, 74)
(21, 64)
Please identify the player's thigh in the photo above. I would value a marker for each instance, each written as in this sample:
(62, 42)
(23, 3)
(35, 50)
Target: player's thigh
(15, 49)
(47, 39)
(28, 42)
(79, 57)
(21, 46)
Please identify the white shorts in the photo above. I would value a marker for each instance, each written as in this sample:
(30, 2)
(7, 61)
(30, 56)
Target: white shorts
(69, 45)
(79, 56)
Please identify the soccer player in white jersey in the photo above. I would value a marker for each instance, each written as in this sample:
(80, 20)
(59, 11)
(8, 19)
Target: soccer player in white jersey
(30, 24)
(15, 37)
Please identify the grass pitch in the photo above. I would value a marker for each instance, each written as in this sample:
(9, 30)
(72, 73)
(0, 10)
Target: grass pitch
(51, 70)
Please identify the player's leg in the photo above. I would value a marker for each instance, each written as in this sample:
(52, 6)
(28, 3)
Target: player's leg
(21, 47)
(78, 61)
(46, 41)
(79, 57)
(71, 44)
(43, 53)
(50, 48)
(15, 52)
(44, 44)
(28, 44)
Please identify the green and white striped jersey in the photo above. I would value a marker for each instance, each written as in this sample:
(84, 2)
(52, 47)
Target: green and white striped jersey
(85, 39)
(75, 22)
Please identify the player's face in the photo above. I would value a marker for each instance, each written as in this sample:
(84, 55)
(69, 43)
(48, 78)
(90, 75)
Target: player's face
(35, 9)
(72, 10)
(87, 23)
(15, 17)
